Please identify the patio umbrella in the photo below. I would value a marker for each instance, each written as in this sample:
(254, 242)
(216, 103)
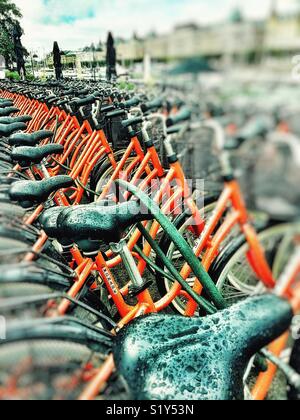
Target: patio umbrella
(19, 50)
(57, 61)
(111, 58)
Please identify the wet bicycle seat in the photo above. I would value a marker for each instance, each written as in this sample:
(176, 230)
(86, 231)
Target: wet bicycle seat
(101, 223)
(32, 273)
(26, 156)
(4, 157)
(30, 193)
(6, 112)
(6, 104)
(13, 120)
(49, 223)
(175, 358)
(7, 130)
(32, 139)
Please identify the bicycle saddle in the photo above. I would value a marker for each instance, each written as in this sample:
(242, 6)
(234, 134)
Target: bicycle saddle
(175, 358)
(29, 193)
(6, 112)
(105, 223)
(26, 156)
(32, 273)
(7, 130)
(32, 139)
(12, 120)
(49, 223)
(6, 104)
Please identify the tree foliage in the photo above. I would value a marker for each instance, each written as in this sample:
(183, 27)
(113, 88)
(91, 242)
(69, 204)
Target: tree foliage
(10, 16)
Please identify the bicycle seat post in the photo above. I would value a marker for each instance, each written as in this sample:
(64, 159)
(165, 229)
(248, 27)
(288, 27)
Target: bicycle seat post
(44, 169)
(138, 285)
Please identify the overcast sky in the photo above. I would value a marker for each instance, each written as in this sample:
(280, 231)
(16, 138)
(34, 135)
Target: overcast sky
(77, 23)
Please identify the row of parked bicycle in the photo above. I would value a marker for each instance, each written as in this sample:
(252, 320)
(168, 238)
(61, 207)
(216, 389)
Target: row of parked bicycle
(120, 278)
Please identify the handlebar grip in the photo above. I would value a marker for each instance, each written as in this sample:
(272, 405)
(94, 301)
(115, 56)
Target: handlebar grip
(118, 113)
(85, 101)
(82, 92)
(50, 98)
(107, 108)
(182, 116)
(6, 104)
(131, 103)
(5, 112)
(155, 104)
(132, 122)
(62, 102)
(97, 94)
(175, 129)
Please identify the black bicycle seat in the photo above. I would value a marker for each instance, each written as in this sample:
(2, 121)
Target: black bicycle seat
(13, 120)
(49, 223)
(175, 358)
(6, 104)
(34, 274)
(32, 139)
(6, 112)
(101, 223)
(7, 130)
(30, 193)
(26, 156)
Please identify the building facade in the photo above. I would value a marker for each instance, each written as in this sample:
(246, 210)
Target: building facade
(234, 40)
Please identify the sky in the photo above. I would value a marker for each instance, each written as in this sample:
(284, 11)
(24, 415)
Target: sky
(77, 23)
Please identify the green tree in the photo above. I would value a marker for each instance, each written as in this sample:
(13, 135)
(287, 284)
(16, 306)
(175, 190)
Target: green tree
(10, 15)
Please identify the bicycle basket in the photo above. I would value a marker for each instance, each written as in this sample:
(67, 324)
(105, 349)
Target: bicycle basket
(196, 154)
(271, 181)
(117, 134)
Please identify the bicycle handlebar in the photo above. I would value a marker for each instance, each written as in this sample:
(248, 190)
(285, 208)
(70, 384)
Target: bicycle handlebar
(182, 116)
(131, 103)
(149, 106)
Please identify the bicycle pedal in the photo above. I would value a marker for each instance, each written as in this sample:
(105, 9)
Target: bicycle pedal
(136, 290)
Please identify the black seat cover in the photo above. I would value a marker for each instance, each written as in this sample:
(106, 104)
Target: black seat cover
(4, 157)
(32, 273)
(29, 193)
(49, 223)
(175, 358)
(101, 223)
(26, 156)
(7, 130)
(12, 120)
(24, 139)
(6, 112)
(6, 104)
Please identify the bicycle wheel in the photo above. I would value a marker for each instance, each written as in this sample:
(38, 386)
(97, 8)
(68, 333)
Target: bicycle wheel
(234, 276)
(293, 393)
(101, 173)
(16, 243)
(53, 364)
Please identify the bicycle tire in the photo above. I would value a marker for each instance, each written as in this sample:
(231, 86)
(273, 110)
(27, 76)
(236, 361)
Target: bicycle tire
(49, 361)
(293, 393)
(99, 169)
(235, 254)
